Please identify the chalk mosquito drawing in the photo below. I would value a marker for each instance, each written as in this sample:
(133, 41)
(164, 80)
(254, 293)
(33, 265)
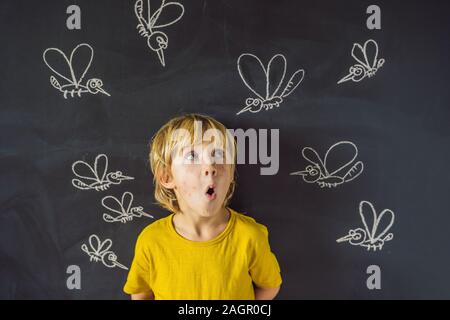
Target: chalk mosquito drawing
(372, 238)
(122, 208)
(148, 28)
(327, 175)
(273, 74)
(99, 251)
(74, 82)
(96, 177)
(368, 62)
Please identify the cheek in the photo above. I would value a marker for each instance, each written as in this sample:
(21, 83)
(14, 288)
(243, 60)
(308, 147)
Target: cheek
(188, 187)
(188, 181)
(227, 172)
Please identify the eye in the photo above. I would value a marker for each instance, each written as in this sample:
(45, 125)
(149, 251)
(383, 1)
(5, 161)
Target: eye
(218, 153)
(191, 155)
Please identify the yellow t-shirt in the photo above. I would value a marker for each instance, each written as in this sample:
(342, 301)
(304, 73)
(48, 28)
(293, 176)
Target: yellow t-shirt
(225, 267)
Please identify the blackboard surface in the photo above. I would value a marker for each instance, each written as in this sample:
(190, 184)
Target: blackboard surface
(398, 120)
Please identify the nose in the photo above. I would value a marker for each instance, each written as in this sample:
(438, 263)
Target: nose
(209, 166)
(210, 169)
(208, 162)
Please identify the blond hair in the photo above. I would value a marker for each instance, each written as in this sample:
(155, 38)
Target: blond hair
(167, 141)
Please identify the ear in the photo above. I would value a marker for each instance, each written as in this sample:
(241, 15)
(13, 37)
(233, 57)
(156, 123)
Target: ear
(166, 179)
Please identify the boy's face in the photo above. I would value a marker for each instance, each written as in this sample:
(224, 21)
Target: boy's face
(200, 178)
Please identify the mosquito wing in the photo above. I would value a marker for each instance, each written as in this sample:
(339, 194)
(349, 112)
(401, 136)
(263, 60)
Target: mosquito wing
(276, 71)
(127, 201)
(293, 83)
(371, 51)
(372, 222)
(80, 61)
(354, 171)
(312, 156)
(359, 54)
(173, 11)
(84, 171)
(385, 221)
(368, 217)
(98, 246)
(55, 60)
(253, 74)
(113, 204)
(101, 167)
(339, 156)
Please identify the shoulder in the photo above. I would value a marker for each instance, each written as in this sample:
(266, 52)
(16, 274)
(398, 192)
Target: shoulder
(246, 225)
(157, 230)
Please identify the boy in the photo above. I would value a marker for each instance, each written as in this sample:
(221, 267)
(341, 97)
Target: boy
(203, 249)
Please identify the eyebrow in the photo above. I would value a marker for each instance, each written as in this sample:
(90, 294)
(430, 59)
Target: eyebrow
(191, 147)
(183, 149)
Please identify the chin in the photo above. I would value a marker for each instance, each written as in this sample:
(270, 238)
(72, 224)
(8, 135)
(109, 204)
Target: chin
(210, 210)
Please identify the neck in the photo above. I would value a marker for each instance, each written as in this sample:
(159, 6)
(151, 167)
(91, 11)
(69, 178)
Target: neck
(196, 227)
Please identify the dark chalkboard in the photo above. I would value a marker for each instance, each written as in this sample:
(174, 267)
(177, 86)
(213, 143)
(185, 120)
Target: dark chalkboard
(394, 118)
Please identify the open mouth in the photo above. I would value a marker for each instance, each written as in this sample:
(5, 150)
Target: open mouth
(211, 192)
